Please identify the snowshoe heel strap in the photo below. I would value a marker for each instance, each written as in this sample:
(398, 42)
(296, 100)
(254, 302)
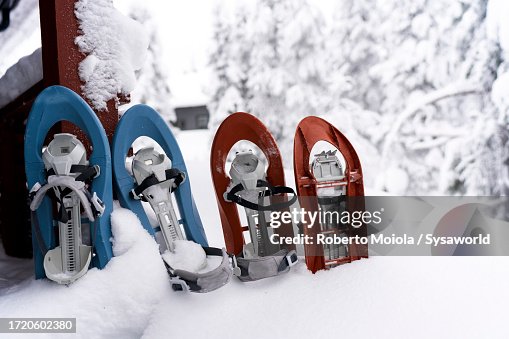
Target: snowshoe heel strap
(265, 267)
(234, 196)
(182, 280)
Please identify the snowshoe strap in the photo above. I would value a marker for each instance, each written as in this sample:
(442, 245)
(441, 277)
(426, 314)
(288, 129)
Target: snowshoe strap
(172, 173)
(264, 267)
(233, 195)
(86, 173)
(182, 280)
(93, 206)
(38, 233)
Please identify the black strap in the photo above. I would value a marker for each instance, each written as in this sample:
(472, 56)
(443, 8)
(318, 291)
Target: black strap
(38, 233)
(5, 19)
(284, 264)
(172, 173)
(271, 190)
(86, 172)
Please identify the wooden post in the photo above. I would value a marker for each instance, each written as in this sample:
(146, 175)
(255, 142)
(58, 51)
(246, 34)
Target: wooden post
(61, 57)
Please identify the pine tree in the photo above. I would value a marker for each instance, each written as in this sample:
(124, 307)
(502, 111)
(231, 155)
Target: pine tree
(152, 88)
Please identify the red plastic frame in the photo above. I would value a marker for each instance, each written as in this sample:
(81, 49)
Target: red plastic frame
(309, 131)
(242, 126)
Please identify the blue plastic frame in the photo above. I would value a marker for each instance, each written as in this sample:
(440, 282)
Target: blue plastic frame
(142, 120)
(55, 104)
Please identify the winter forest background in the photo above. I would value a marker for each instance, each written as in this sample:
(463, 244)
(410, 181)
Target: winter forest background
(420, 87)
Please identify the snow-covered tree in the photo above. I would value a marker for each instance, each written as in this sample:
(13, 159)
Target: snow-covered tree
(152, 87)
(352, 49)
(418, 86)
(436, 73)
(275, 65)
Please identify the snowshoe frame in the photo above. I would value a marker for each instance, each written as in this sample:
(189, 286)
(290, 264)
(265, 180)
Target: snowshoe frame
(53, 105)
(309, 131)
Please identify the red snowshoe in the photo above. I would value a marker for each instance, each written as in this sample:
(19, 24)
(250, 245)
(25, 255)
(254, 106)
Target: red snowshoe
(323, 185)
(258, 191)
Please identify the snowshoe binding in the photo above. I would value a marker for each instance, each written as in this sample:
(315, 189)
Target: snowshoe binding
(74, 183)
(249, 186)
(156, 177)
(331, 196)
(326, 187)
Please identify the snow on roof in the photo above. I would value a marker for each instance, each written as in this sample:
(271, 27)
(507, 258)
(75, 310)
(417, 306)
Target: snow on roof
(116, 47)
(23, 35)
(20, 77)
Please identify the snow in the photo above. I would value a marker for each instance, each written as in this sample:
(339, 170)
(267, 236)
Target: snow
(375, 298)
(115, 46)
(383, 297)
(23, 35)
(20, 77)
(394, 61)
(115, 301)
(500, 91)
(498, 26)
(498, 31)
(188, 256)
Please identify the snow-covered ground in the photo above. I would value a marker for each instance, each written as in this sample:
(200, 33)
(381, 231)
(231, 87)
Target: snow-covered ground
(383, 297)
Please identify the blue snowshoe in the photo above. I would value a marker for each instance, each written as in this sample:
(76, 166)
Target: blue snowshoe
(70, 195)
(155, 177)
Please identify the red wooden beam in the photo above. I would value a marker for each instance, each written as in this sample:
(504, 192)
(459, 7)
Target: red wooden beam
(61, 57)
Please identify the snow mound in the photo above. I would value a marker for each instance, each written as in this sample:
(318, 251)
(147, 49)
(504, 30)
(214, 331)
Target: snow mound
(20, 77)
(117, 301)
(188, 256)
(115, 46)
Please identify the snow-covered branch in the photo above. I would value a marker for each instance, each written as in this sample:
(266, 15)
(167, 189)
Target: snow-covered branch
(457, 89)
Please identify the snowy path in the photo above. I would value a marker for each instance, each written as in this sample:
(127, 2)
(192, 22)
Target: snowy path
(383, 297)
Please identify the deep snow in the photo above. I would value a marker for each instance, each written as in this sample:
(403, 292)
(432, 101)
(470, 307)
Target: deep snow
(383, 297)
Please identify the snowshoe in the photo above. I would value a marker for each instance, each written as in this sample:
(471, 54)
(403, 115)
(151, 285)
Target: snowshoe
(155, 178)
(80, 188)
(325, 186)
(249, 186)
